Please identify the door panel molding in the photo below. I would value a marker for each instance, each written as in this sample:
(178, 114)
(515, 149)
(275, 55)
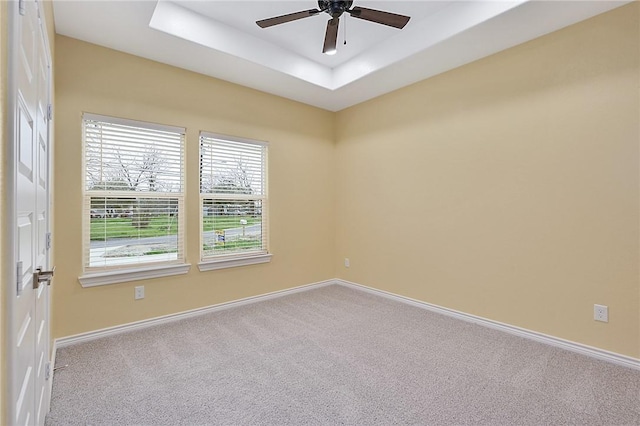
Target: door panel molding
(26, 214)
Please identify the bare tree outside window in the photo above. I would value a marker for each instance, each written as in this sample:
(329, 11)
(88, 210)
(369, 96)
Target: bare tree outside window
(232, 188)
(133, 185)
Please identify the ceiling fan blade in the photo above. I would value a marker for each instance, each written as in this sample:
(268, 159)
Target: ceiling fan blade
(331, 36)
(380, 17)
(286, 18)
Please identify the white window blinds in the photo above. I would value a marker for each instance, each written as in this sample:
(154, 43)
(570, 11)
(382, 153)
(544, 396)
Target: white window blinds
(233, 194)
(133, 193)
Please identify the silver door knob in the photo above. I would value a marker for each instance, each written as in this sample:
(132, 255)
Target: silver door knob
(41, 276)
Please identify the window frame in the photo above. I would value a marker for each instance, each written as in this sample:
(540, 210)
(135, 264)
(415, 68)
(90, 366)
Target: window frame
(102, 275)
(230, 260)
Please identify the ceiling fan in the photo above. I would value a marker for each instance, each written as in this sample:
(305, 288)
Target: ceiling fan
(335, 9)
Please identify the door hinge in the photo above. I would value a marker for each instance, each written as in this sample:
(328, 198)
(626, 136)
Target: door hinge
(47, 371)
(19, 275)
(48, 241)
(21, 9)
(49, 112)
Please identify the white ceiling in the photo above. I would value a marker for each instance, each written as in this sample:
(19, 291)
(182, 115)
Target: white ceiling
(220, 39)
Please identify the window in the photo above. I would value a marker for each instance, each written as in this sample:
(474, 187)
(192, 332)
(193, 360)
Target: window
(233, 201)
(133, 194)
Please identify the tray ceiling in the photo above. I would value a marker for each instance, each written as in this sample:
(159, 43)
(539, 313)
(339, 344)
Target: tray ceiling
(221, 39)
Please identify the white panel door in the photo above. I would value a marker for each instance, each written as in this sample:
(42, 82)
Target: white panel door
(30, 319)
(42, 226)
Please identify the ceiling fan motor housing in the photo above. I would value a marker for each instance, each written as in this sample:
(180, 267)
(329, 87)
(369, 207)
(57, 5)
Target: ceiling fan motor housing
(334, 8)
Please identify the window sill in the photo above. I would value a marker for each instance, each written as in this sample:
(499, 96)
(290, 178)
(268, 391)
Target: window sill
(125, 275)
(211, 265)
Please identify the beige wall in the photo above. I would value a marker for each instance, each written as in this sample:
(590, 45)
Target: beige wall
(50, 23)
(98, 80)
(507, 188)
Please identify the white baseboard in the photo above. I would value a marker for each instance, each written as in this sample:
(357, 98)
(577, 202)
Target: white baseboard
(138, 325)
(590, 351)
(580, 348)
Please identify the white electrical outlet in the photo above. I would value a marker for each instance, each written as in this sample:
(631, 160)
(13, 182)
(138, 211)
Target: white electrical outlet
(346, 262)
(601, 313)
(139, 292)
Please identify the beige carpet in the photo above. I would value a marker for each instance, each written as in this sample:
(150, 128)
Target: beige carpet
(334, 356)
